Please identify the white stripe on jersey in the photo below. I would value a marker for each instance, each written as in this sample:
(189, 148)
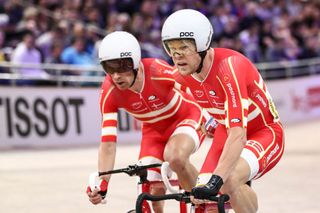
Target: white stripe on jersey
(252, 115)
(245, 121)
(109, 130)
(221, 121)
(215, 111)
(245, 103)
(110, 116)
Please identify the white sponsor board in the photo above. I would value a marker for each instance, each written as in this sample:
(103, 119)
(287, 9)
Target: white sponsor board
(67, 116)
(56, 116)
(296, 99)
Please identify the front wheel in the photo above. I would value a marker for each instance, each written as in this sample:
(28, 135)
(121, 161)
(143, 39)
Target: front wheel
(132, 211)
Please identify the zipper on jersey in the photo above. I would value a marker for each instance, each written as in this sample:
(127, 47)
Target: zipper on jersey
(206, 93)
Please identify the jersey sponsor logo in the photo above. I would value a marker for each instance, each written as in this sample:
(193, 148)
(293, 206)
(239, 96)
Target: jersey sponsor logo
(235, 120)
(219, 105)
(186, 34)
(226, 78)
(272, 152)
(258, 96)
(212, 93)
(199, 93)
(233, 95)
(273, 109)
(151, 98)
(125, 54)
(171, 72)
(136, 105)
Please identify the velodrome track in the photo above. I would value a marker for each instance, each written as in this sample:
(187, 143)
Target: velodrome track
(54, 181)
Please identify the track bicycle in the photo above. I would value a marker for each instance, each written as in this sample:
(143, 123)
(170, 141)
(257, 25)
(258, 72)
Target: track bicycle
(143, 204)
(143, 184)
(220, 202)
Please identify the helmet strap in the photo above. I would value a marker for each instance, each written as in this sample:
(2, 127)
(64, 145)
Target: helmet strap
(202, 56)
(135, 73)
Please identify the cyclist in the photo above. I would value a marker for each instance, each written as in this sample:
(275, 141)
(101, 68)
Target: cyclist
(146, 89)
(249, 140)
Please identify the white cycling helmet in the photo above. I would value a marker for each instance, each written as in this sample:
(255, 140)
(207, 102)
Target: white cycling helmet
(120, 44)
(190, 24)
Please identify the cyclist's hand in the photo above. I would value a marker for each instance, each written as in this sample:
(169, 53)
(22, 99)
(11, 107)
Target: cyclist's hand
(209, 127)
(204, 192)
(97, 189)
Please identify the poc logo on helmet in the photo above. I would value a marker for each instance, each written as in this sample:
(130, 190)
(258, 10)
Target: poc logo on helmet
(125, 54)
(186, 34)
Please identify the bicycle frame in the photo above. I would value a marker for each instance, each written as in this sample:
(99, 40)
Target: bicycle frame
(220, 200)
(181, 197)
(142, 206)
(141, 172)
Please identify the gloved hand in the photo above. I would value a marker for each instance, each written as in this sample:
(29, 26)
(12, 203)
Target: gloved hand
(211, 188)
(97, 189)
(210, 126)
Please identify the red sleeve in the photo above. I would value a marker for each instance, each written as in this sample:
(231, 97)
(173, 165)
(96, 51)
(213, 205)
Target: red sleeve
(232, 77)
(109, 111)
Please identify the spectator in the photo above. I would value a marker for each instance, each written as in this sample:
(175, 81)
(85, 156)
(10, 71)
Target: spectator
(26, 52)
(30, 21)
(250, 41)
(257, 29)
(55, 53)
(76, 55)
(3, 58)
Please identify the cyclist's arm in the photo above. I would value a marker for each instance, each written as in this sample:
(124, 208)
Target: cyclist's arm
(233, 80)
(106, 159)
(107, 148)
(231, 152)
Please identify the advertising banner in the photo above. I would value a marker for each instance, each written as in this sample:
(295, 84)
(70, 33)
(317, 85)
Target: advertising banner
(56, 116)
(296, 99)
(71, 116)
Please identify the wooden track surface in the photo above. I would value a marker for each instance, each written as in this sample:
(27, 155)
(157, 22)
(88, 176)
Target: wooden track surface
(54, 181)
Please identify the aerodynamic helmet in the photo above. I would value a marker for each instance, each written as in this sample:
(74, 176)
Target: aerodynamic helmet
(118, 45)
(188, 24)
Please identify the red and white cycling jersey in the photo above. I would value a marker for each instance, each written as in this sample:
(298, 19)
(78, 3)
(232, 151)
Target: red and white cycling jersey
(161, 105)
(233, 92)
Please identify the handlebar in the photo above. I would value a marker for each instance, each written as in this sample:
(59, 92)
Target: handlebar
(131, 170)
(184, 197)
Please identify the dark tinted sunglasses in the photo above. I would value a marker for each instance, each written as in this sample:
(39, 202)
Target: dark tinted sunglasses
(118, 65)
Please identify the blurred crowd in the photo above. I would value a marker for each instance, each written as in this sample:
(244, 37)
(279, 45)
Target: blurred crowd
(69, 32)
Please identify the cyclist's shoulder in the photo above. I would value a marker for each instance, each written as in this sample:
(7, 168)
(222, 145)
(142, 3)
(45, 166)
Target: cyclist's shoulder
(227, 56)
(228, 60)
(107, 86)
(158, 68)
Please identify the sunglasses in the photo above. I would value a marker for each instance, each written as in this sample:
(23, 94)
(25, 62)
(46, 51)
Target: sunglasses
(117, 65)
